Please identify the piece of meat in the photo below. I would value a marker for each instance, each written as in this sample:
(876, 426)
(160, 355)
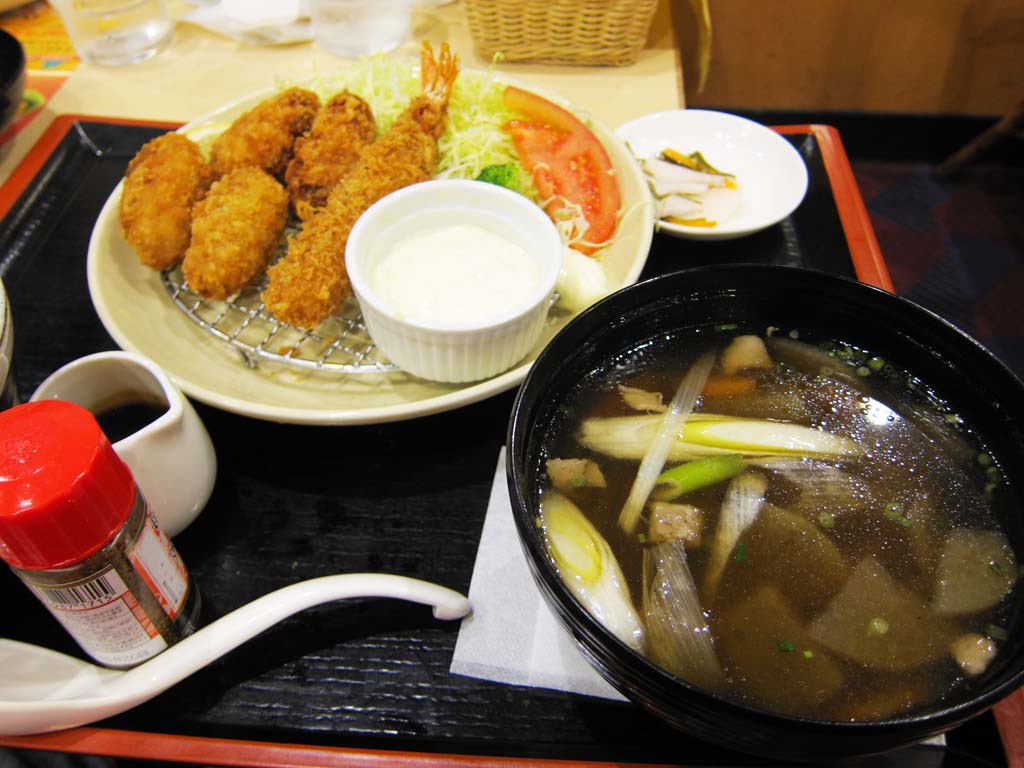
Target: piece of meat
(235, 232)
(265, 135)
(164, 180)
(343, 128)
(310, 283)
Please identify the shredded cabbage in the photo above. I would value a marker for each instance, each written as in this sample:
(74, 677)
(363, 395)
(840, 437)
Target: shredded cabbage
(473, 139)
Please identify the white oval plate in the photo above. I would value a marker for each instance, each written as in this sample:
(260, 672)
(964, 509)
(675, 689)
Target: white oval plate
(137, 312)
(771, 175)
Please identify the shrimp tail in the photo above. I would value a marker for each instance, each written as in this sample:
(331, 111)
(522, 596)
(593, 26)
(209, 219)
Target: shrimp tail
(437, 76)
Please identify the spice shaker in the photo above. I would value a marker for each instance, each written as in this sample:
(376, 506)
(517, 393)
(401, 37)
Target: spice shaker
(76, 530)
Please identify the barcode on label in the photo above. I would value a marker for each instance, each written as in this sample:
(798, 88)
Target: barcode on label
(99, 590)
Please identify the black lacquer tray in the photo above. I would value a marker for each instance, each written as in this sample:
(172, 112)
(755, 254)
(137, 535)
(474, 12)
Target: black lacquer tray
(360, 681)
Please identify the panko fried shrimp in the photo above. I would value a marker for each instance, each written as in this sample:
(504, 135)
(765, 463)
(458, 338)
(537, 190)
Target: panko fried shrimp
(235, 232)
(343, 128)
(265, 135)
(310, 283)
(164, 180)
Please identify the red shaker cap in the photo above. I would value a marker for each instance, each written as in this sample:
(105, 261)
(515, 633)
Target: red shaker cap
(64, 492)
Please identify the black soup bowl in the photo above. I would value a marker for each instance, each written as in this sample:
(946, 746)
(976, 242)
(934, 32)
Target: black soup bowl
(955, 368)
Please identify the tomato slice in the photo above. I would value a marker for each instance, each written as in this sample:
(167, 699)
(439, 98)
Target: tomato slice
(568, 163)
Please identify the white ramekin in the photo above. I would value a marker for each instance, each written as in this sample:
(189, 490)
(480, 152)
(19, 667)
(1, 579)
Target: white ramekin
(446, 351)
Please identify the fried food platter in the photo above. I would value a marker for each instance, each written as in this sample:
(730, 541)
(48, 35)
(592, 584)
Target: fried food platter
(135, 307)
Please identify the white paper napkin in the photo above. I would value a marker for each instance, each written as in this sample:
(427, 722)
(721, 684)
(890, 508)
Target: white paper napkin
(512, 636)
(255, 22)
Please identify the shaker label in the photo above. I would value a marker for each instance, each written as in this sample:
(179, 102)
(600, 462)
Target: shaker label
(103, 615)
(157, 562)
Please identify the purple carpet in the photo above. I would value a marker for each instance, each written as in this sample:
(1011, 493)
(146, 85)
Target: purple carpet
(955, 246)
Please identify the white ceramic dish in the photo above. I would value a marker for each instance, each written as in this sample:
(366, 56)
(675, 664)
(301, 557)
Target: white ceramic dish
(771, 175)
(458, 348)
(135, 309)
(172, 457)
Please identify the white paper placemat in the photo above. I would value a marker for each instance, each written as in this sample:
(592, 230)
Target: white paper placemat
(512, 636)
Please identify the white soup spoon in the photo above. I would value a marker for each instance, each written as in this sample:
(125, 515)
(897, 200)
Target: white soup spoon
(42, 690)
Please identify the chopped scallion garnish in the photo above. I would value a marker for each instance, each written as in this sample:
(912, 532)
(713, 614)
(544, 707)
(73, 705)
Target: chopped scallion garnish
(808, 654)
(878, 626)
(741, 552)
(826, 521)
(996, 632)
(785, 646)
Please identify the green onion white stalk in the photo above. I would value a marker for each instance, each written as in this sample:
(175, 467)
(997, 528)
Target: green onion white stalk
(658, 448)
(678, 636)
(589, 569)
(706, 434)
(743, 500)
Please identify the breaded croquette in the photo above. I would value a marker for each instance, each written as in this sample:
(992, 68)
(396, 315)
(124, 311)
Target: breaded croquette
(164, 180)
(343, 128)
(310, 282)
(235, 232)
(265, 135)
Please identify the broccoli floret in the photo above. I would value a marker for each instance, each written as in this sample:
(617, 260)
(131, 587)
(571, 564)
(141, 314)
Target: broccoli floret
(508, 175)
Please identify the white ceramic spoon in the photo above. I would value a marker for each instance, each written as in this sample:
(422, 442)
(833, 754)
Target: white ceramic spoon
(42, 690)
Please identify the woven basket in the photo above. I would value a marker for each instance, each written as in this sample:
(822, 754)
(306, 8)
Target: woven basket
(603, 32)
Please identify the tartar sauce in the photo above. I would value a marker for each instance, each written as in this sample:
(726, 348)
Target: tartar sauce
(460, 274)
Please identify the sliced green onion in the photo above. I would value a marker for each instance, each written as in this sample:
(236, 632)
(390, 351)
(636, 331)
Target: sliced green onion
(878, 626)
(705, 434)
(785, 646)
(808, 654)
(741, 552)
(666, 429)
(996, 632)
(693, 475)
(826, 521)
(876, 364)
(893, 510)
(589, 569)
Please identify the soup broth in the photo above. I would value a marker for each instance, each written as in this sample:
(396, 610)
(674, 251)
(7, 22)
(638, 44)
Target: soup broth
(834, 552)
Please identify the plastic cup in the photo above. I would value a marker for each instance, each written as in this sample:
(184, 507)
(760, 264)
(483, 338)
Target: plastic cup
(116, 32)
(358, 27)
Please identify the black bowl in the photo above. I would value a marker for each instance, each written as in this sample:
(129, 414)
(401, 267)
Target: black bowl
(12, 77)
(956, 367)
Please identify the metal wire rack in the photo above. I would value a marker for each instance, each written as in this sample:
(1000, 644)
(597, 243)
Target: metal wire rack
(340, 344)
